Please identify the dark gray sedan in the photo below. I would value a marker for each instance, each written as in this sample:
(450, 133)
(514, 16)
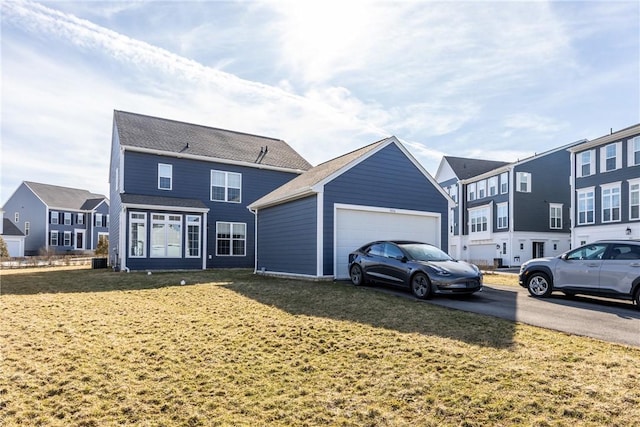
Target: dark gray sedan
(421, 267)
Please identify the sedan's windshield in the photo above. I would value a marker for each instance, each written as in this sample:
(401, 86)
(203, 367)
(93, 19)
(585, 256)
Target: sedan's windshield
(422, 252)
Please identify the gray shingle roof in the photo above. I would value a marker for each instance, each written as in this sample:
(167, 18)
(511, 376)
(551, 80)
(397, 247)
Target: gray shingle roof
(303, 184)
(10, 229)
(465, 168)
(64, 197)
(176, 202)
(140, 131)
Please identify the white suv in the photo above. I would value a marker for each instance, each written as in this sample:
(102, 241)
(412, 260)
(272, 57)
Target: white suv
(607, 268)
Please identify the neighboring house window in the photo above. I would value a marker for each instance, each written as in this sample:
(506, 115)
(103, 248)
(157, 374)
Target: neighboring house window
(493, 185)
(67, 219)
(166, 236)
(165, 173)
(98, 218)
(611, 203)
(67, 238)
(524, 182)
(586, 166)
(610, 157)
(16, 217)
(54, 217)
(80, 218)
(634, 151)
(226, 186)
(471, 192)
(27, 228)
(106, 220)
(555, 215)
(453, 192)
(634, 199)
(137, 234)
(53, 239)
(503, 215)
(452, 220)
(479, 219)
(504, 183)
(482, 189)
(193, 236)
(231, 238)
(586, 208)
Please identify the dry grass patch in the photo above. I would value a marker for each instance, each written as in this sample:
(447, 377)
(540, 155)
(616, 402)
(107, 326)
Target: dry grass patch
(91, 347)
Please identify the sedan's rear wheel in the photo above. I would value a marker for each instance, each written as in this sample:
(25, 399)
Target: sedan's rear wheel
(420, 286)
(539, 285)
(357, 277)
(636, 298)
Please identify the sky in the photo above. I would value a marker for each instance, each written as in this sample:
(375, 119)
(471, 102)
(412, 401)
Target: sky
(497, 80)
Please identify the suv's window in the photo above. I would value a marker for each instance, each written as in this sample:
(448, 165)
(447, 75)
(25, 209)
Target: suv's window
(377, 249)
(589, 252)
(392, 251)
(624, 251)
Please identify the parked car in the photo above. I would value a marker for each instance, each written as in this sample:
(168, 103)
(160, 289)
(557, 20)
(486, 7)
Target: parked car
(421, 267)
(607, 268)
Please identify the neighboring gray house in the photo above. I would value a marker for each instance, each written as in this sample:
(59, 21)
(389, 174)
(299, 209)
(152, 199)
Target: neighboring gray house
(12, 236)
(308, 226)
(605, 187)
(58, 219)
(511, 213)
(179, 192)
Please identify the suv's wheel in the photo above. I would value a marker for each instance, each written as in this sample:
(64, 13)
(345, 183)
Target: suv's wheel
(539, 285)
(420, 286)
(357, 277)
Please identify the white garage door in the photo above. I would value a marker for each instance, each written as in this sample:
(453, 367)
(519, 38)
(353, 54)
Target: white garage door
(14, 246)
(358, 225)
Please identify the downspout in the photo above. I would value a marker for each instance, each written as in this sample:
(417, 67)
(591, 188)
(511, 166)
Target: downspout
(255, 239)
(205, 244)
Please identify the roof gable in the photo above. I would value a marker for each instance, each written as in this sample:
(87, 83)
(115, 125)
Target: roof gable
(142, 132)
(55, 196)
(314, 179)
(10, 229)
(466, 168)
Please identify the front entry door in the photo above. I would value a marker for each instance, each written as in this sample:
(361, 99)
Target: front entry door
(538, 249)
(79, 239)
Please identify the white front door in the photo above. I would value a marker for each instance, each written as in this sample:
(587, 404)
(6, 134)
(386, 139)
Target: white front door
(80, 243)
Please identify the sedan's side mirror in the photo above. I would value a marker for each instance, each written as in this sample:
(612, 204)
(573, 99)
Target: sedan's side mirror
(563, 257)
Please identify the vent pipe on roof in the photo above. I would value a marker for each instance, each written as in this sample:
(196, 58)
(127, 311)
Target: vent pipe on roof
(263, 153)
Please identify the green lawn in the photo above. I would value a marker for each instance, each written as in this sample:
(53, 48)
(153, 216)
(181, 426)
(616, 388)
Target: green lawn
(93, 348)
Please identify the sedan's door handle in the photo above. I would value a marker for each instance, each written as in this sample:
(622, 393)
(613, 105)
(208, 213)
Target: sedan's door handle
(635, 264)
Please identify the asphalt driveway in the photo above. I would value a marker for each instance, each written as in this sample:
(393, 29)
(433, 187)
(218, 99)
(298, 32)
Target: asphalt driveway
(607, 320)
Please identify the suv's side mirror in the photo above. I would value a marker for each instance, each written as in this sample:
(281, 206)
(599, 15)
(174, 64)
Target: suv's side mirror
(563, 257)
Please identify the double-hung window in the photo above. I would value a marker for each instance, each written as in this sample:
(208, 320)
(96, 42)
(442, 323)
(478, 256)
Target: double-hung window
(79, 218)
(611, 203)
(67, 238)
(555, 216)
(633, 151)
(504, 182)
(166, 236)
(137, 234)
(98, 220)
(231, 239)
(27, 228)
(471, 191)
(165, 176)
(226, 186)
(193, 236)
(585, 163)
(453, 192)
(586, 209)
(53, 239)
(493, 185)
(523, 180)
(634, 199)
(67, 219)
(610, 157)
(55, 217)
(482, 189)
(16, 217)
(503, 215)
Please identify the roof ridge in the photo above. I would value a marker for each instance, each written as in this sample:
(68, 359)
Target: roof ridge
(199, 125)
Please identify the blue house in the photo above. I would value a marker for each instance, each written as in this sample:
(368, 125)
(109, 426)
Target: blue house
(59, 220)
(308, 226)
(605, 187)
(179, 192)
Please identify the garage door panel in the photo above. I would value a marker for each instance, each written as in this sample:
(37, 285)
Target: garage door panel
(355, 227)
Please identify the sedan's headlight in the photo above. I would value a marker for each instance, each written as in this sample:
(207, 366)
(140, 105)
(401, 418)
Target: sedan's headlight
(440, 271)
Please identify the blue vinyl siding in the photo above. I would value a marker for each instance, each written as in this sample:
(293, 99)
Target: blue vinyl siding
(114, 201)
(30, 209)
(549, 184)
(192, 180)
(287, 237)
(386, 179)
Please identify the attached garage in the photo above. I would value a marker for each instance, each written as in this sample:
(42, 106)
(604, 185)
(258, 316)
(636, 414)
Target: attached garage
(380, 192)
(358, 225)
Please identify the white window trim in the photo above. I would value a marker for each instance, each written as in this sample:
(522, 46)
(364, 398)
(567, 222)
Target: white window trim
(603, 157)
(67, 241)
(16, 218)
(142, 221)
(98, 216)
(591, 190)
(55, 217)
(164, 174)
(27, 228)
(482, 189)
(633, 182)
(226, 186)
(231, 239)
(51, 235)
(552, 207)
(592, 166)
(492, 183)
(471, 191)
(631, 150)
(504, 206)
(67, 217)
(80, 218)
(611, 186)
(478, 211)
(527, 180)
(193, 220)
(504, 183)
(168, 219)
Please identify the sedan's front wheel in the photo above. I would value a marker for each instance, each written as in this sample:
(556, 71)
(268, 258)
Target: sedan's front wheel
(421, 286)
(539, 285)
(357, 277)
